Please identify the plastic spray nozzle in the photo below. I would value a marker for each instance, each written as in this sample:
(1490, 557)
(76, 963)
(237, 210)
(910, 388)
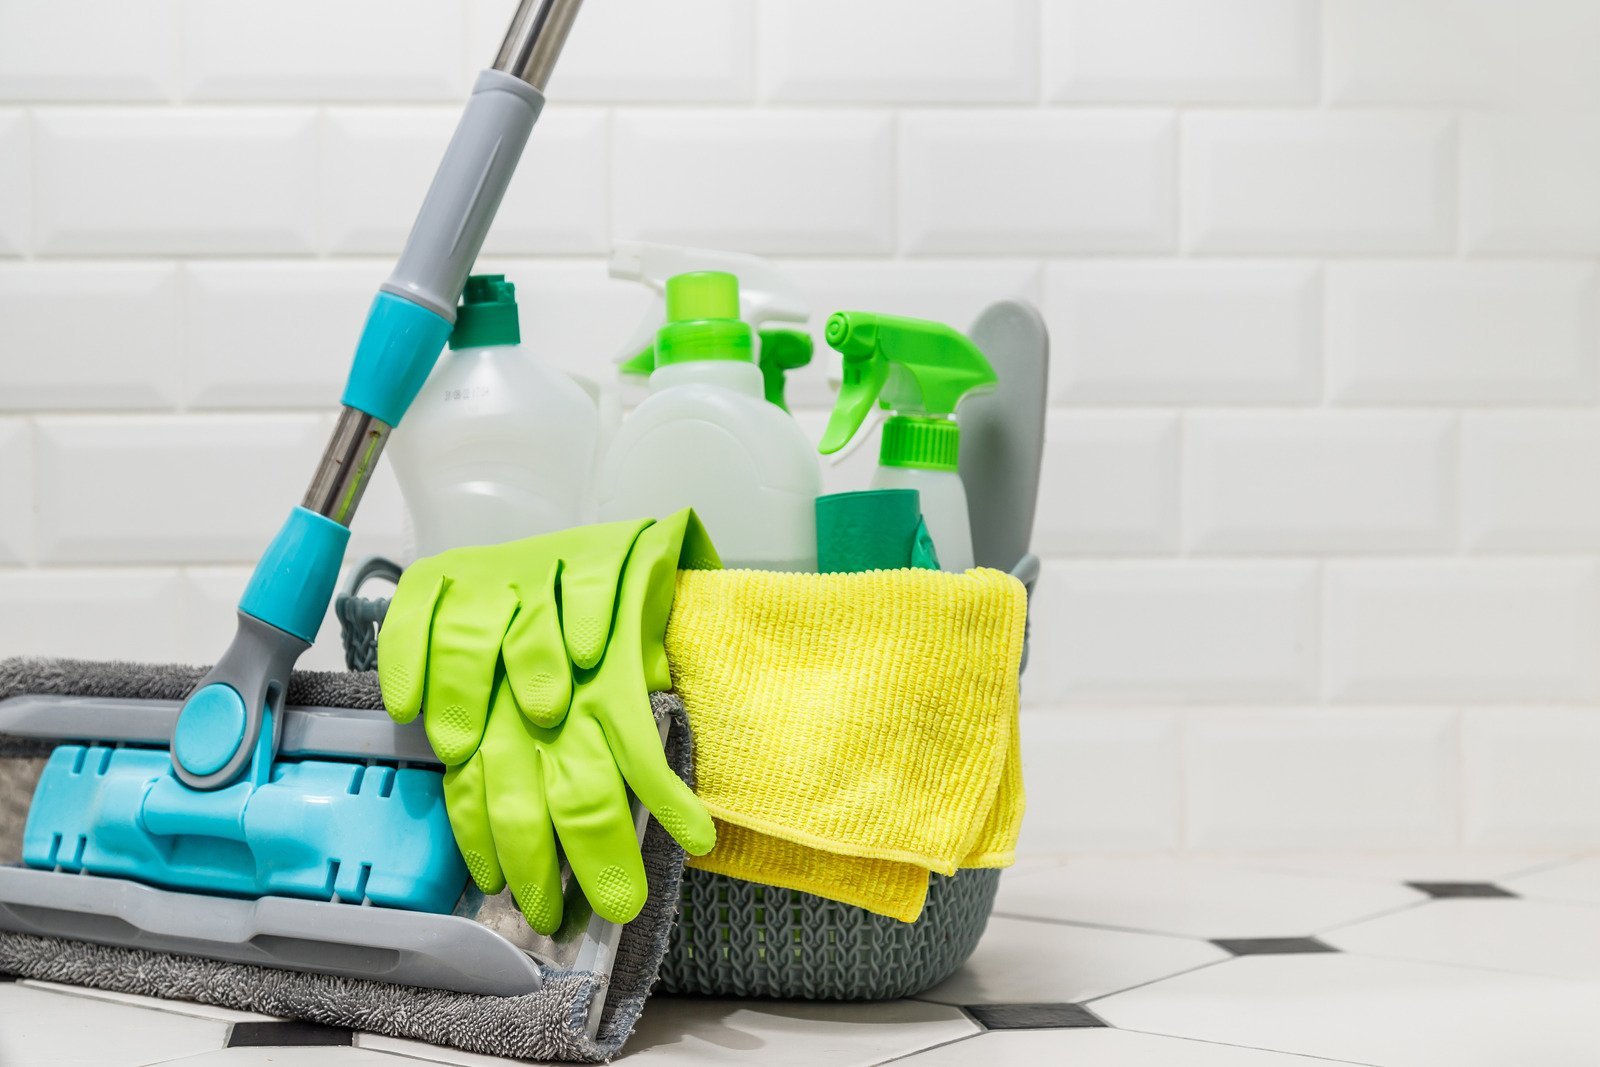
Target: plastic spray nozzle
(488, 313)
(781, 351)
(702, 320)
(914, 367)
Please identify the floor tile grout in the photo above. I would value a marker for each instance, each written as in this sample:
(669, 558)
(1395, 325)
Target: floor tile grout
(1156, 981)
(1476, 968)
(1547, 865)
(1422, 901)
(943, 1044)
(1098, 926)
(1253, 1048)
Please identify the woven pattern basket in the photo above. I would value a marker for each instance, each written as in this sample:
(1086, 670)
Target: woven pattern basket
(739, 939)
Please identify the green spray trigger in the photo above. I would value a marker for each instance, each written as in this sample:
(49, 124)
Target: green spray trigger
(781, 352)
(913, 366)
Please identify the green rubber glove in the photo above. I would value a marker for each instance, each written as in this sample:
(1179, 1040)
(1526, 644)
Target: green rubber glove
(542, 606)
(528, 786)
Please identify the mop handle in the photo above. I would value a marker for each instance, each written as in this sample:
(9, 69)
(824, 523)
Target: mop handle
(227, 722)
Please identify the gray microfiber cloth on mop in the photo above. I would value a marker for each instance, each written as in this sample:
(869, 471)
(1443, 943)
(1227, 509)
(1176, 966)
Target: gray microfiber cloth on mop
(546, 1025)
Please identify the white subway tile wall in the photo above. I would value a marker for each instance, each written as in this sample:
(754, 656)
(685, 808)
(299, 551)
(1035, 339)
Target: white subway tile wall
(102, 334)
(1318, 181)
(295, 360)
(379, 50)
(1321, 501)
(1166, 51)
(899, 51)
(16, 487)
(16, 181)
(1001, 181)
(1347, 778)
(122, 50)
(1319, 482)
(1183, 332)
(175, 181)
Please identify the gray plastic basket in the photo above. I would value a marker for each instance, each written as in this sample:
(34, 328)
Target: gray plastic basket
(739, 939)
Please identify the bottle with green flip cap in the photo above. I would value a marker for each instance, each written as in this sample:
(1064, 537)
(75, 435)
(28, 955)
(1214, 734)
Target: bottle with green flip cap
(919, 371)
(499, 445)
(769, 301)
(707, 438)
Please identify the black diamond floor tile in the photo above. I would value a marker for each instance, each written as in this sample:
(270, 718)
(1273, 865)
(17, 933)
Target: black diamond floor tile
(287, 1033)
(1460, 890)
(1271, 946)
(1034, 1016)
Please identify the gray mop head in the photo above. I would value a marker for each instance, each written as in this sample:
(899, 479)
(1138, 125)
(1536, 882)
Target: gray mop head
(547, 1025)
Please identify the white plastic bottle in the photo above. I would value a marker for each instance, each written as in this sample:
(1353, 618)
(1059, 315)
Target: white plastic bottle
(943, 498)
(920, 370)
(498, 445)
(706, 438)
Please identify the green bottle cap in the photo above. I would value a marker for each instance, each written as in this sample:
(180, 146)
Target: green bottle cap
(488, 313)
(927, 442)
(703, 320)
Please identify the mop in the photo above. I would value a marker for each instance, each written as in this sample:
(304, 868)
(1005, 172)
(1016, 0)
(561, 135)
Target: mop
(271, 841)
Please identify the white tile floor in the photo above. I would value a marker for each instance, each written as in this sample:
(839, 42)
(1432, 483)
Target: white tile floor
(1486, 960)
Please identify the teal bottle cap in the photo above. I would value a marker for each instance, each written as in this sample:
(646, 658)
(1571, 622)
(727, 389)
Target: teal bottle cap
(488, 314)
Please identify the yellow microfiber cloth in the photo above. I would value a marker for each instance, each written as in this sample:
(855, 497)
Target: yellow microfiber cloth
(853, 732)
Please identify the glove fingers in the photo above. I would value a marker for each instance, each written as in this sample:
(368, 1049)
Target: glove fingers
(465, 800)
(589, 584)
(403, 642)
(635, 743)
(618, 695)
(589, 806)
(463, 652)
(536, 656)
(525, 840)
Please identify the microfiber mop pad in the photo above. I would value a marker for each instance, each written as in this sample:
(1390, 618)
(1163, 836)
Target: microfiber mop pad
(546, 1025)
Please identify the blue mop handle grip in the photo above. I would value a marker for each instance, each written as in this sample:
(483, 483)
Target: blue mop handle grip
(294, 581)
(399, 345)
(416, 308)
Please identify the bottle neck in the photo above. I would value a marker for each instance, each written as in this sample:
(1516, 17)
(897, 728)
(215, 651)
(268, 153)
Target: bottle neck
(475, 351)
(741, 377)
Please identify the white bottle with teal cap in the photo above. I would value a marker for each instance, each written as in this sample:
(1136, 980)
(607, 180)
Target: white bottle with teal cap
(707, 438)
(499, 445)
(919, 371)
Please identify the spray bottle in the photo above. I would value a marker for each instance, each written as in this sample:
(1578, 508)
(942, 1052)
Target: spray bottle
(918, 371)
(766, 296)
(707, 438)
